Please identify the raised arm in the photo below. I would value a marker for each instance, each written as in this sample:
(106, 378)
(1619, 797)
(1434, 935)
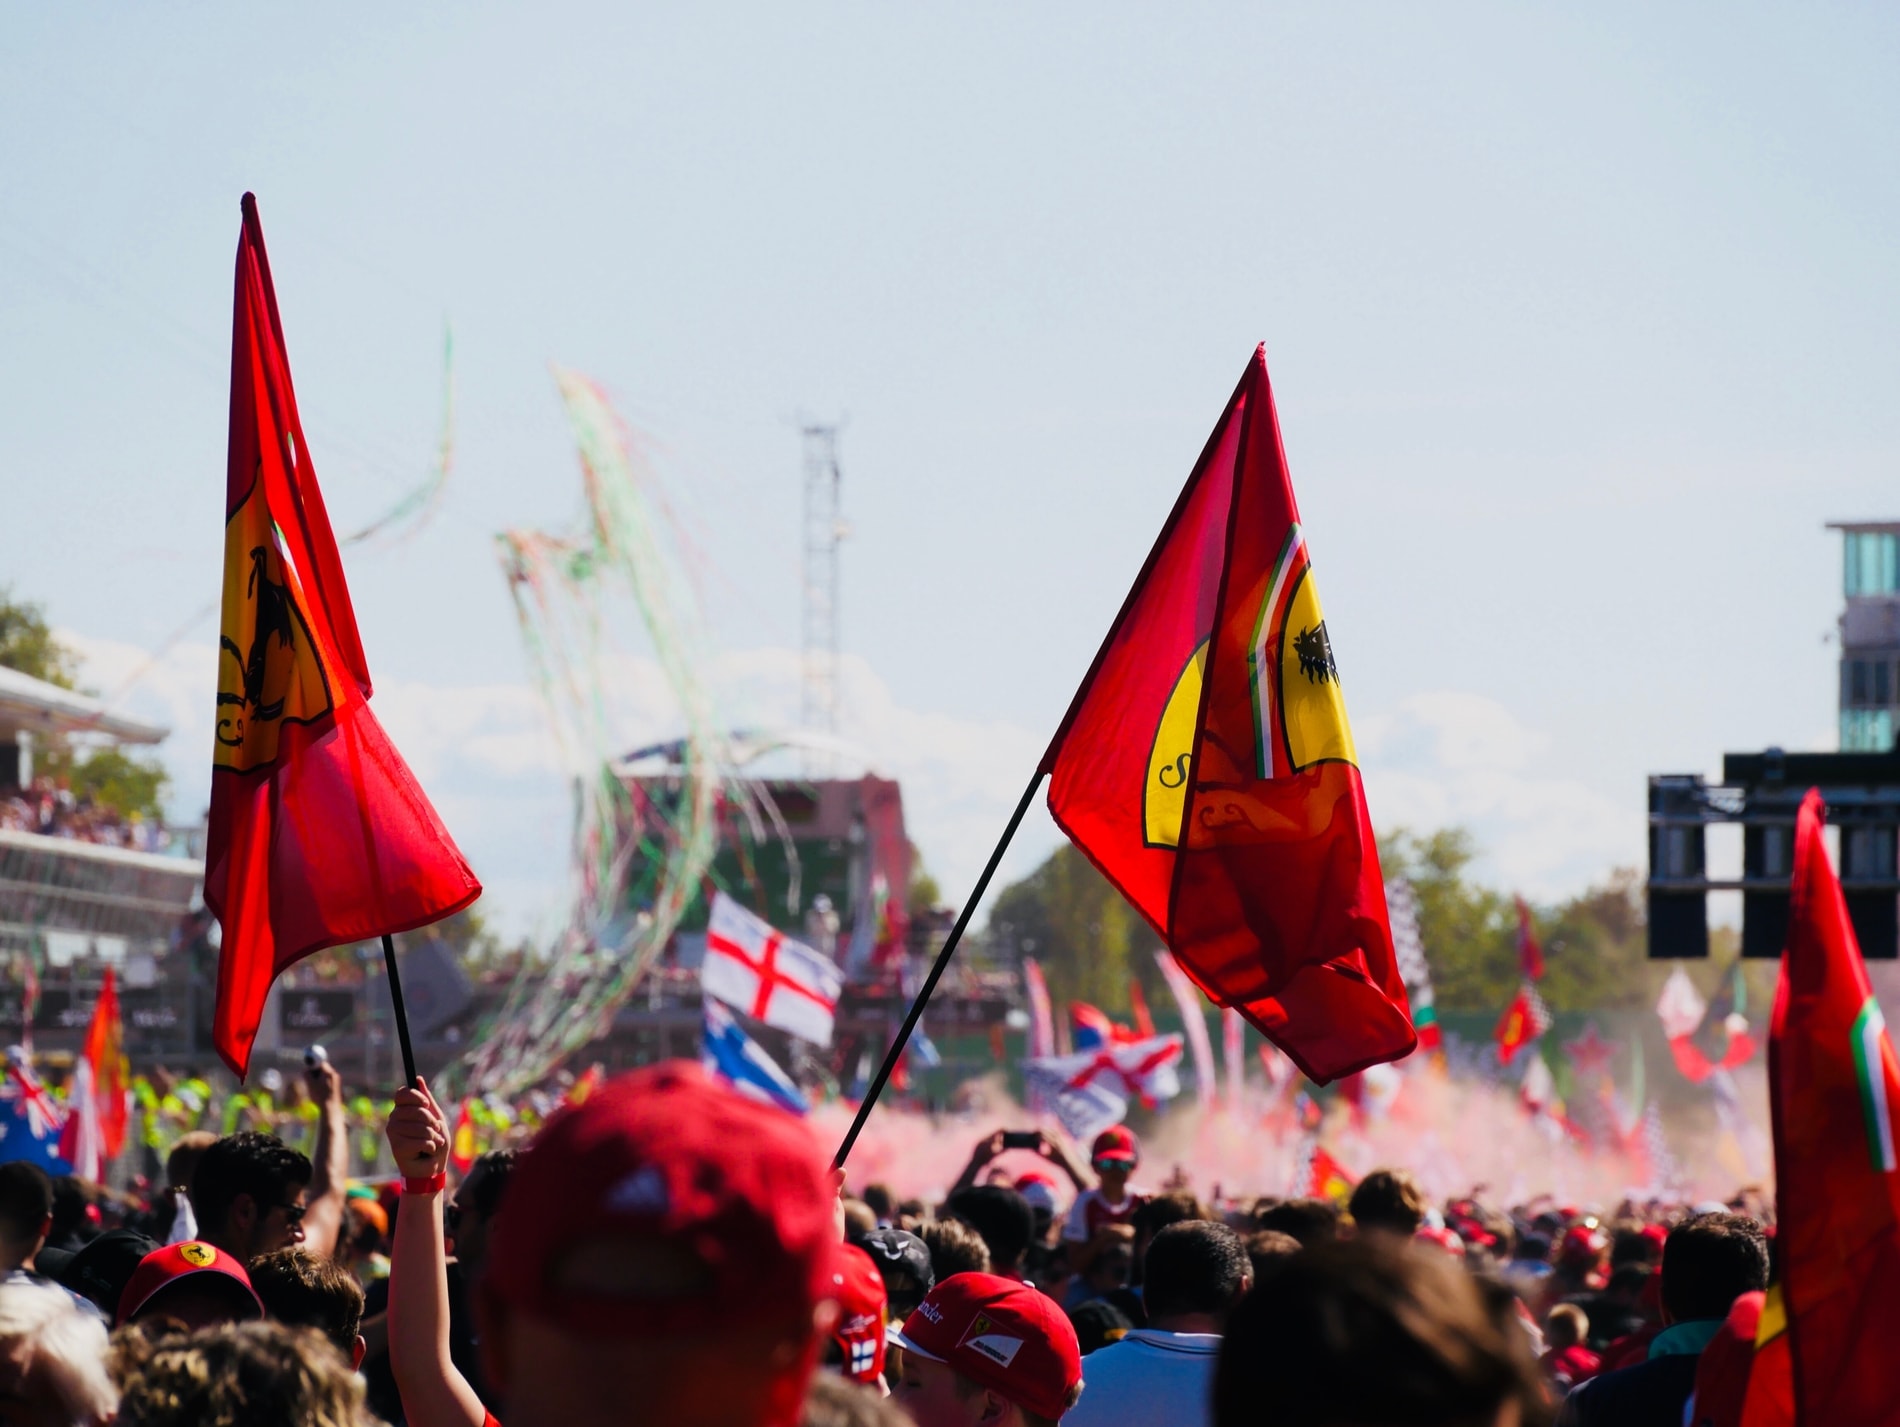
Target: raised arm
(434, 1392)
(329, 1181)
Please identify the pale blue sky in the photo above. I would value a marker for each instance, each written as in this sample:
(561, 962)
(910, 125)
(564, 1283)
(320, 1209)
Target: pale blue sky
(1581, 326)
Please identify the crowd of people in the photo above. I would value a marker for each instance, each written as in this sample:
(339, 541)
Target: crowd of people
(49, 807)
(667, 1250)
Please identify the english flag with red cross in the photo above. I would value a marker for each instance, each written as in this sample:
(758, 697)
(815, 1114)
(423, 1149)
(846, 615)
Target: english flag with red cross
(754, 967)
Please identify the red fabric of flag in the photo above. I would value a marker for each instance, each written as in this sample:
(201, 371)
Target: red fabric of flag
(1833, 1087)
(319, 834)
(1207, 768)
(1530, 955)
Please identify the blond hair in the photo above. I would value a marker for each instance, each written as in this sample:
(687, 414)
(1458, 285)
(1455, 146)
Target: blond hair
(235, 1375)
(68, 1340)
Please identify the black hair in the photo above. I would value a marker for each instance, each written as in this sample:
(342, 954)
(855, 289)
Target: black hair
(1370, 1330)
(26, 1201)
(1097, 1323)
(1001, 1215)
(259, 1165)
(1195, 1266)
(1311, 1221)
(1709, 1262)
(489, 1174)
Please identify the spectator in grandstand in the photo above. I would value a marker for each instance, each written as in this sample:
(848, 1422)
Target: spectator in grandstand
(180, 1165)
(301, 1290)
(251, 1193)
(1098, 1323)
(1387, 1201)
(1003, 1218)
(1194, 1272)
(1566, 1360)
(1310, 1221)
(1155, 1214)
(193, 1285)
(236, 1375)
(100, 1271)
(982, 1349)
(1115, 1156)
(1371, 1330)
(26, 1218)
(954, 1248)
(52, 1359)
(904, 1261)
(1265, 1247)
(1708, 1262)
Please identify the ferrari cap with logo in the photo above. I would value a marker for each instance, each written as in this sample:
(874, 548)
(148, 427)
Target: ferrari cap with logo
(859, 1289)
(665, 1203)
(174, 1263)
(1006, 1335)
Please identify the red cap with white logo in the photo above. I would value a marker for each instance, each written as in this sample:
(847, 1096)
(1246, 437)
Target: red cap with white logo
(859, 1289)
(1006, 1335)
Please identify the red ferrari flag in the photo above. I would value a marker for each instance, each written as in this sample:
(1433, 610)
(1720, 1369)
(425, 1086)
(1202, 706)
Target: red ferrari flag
(1207, 768)
(319, 834)
(96, 1112)
(1530, 955)
(1523, 1021)
(1833, 1086)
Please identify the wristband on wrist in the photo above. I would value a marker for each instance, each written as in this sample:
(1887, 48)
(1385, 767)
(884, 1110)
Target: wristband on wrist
(432, 1184)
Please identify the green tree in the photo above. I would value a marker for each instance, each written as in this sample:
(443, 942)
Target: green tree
(113, 778)
(1089, 941)
(27, 642)
(109, 777)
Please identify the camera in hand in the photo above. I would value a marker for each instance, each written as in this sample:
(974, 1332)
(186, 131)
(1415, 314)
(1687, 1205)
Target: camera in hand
(1022, 1139)
(313, 1057)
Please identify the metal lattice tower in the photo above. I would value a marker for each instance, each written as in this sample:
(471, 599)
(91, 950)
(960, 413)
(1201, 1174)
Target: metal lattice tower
(824, 529)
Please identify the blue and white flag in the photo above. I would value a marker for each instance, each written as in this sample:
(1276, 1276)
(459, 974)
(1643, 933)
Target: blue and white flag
(727, 1051)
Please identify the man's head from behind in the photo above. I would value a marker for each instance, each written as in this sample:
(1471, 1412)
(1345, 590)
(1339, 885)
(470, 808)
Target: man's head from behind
(1194, 1273)
(1363, 1331)
(1004, 1219)
(298, 1288)
(1311, 1221)
(182, 1163)
(1388, 1200)
(984, 1351)
(26, 1212)
(248, 1194)
(1710, 1261)
(667, 1243)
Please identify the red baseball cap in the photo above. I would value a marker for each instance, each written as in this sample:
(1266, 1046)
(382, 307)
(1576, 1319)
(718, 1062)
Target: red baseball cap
(161, 1268)
(665, 1203)
(859, 1289)
(1117, 1145)
(1006, 1335)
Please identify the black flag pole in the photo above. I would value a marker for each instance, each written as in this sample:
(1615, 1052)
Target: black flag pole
(402, 1015)
(930, 981)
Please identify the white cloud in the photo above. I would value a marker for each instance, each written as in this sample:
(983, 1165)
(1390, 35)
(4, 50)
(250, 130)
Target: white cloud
(488, 757)
(1451, 758)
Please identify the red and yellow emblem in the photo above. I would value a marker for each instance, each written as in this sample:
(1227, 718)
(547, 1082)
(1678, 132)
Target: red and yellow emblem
(270, 670)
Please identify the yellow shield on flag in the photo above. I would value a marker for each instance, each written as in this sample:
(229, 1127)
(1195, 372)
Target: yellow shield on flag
(1164, 794)
(270, 671)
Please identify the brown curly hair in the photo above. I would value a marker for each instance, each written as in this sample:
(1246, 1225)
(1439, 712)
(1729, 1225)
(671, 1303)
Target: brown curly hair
(232, 1376)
